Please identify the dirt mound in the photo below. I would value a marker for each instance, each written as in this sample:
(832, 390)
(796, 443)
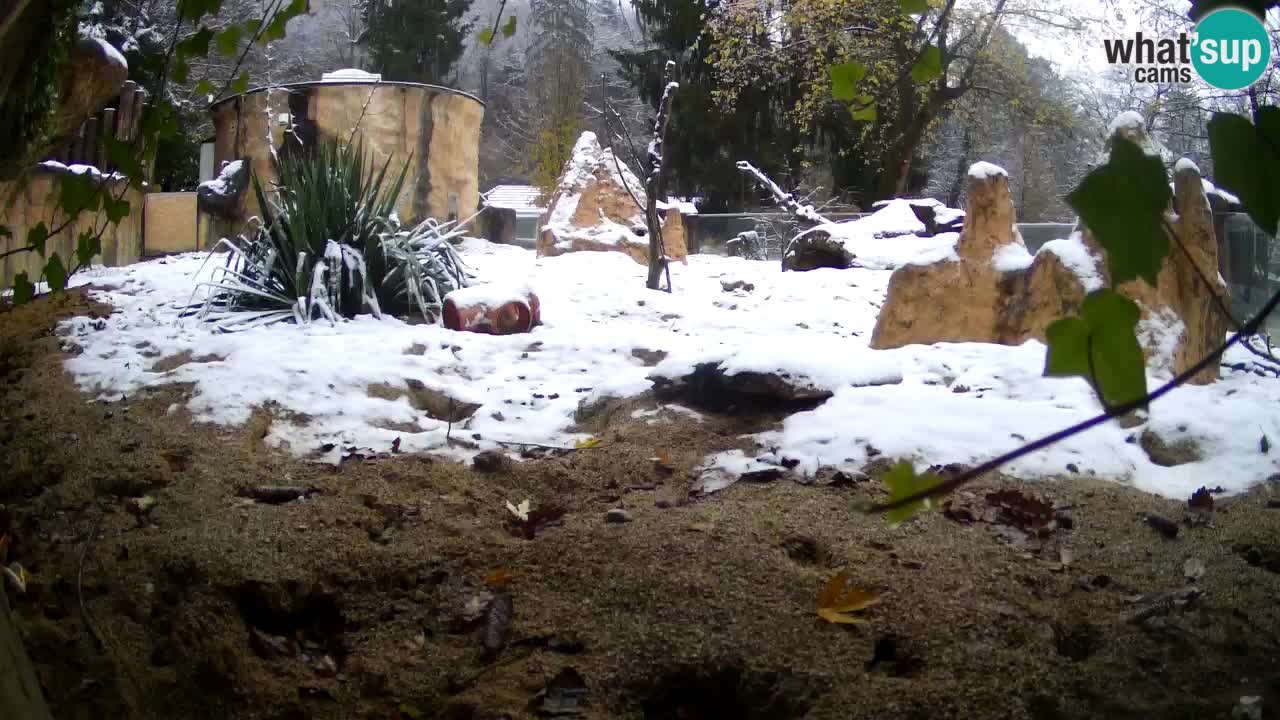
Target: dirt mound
(370, 595)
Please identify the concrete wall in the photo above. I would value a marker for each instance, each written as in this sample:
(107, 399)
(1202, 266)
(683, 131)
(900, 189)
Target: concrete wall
(172, 225)
(33, 199)
(436, 130)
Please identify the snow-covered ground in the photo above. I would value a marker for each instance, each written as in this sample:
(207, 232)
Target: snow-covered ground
(959, 403)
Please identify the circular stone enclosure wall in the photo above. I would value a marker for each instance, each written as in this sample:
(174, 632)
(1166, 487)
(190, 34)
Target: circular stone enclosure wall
(435, 129)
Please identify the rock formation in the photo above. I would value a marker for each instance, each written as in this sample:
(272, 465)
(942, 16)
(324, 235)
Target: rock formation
(992, 290)
(837, 245)
(599, 205)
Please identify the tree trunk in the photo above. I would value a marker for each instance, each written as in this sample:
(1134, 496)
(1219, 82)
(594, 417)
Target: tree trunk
(20, 696)
(962, 169)
(653, 184)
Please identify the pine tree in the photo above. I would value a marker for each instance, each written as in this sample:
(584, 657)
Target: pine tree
(416, 40)
(560, 56)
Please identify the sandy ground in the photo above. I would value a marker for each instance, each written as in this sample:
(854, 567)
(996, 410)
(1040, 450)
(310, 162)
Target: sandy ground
(383, 593)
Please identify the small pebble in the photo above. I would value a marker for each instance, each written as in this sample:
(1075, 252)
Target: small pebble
(617, 515)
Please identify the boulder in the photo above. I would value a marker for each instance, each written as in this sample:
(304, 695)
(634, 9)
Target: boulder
(816, 248)
(937, 217)
(828, 245)
(968, 295)
(598, 205)
(92, 76)
(222, 196)
(991, 290)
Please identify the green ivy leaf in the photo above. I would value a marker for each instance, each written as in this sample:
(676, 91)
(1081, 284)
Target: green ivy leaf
(116, 210)
(55, 273)
(1101, 346)
(275, 29)
(124, 158)
(37, 237)
(929, 65)
(195, 45)
(181, 70)
(228, 41)
(914, 7)
(23, 289)
(1123, 204)
(845, 78)
(509, 28)
(486, 37)
(79, 193)
(87, 246)
(193, 10)
(5, 232)
(864, 108)
(240, 85)
(902, 482)
(1246, 161)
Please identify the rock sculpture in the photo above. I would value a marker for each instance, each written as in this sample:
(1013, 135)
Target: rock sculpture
(599, 205)
(992, 290)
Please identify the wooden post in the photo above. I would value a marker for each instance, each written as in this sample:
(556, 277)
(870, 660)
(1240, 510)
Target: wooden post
(124, 121)
(108, 131)
(20, 695)
(90, 153)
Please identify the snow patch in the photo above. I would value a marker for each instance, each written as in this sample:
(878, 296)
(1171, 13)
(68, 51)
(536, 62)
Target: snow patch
(982, 170)
(595, 307)
(1012, 257)
(1077, 258)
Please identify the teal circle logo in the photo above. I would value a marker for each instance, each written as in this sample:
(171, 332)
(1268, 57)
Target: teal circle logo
(1231, 49)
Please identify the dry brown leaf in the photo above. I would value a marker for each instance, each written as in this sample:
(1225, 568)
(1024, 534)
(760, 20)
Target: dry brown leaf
(499, 579)
(837, 600)
(1201, 500)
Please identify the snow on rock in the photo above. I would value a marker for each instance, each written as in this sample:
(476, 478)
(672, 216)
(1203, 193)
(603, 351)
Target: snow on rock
(356, 382)
(1010, 258)
(1075, 256)
(1128, 120)
(888, 238)
(982, 170)
(598, 205)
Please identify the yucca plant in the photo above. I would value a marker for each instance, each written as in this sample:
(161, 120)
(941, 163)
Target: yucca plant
(332, 247)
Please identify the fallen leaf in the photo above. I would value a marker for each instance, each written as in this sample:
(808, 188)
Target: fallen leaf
(534, 521)
(837, 600)
(587, 444)
(18, 577)
(411, 712)
(498, 579)
(1201, 500)
(521, 511)
(4, 548)
(1022, 511)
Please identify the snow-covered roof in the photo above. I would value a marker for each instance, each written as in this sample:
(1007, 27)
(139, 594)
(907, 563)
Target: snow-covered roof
(350, 75)
(515, 197)
(682, 206)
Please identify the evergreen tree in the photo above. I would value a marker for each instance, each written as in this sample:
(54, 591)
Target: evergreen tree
(559, 58)
(704, 140)
(416, 40)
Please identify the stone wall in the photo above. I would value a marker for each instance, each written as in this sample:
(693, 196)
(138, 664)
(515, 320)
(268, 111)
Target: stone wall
(172, 225)
(33, 198)
(435, 130)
